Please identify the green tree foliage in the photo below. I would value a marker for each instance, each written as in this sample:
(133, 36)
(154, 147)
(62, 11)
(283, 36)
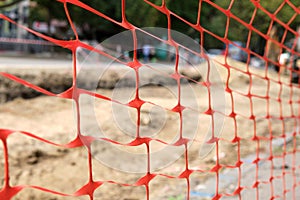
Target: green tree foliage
(98, 28)
(141, 14)
(8, 3)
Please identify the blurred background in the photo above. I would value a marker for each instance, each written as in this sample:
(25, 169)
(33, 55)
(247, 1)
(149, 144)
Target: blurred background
(48, 17)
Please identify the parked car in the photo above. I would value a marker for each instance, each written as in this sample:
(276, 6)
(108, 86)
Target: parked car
(296, 70)
(285, 59)
(215, 52)
(235, 51)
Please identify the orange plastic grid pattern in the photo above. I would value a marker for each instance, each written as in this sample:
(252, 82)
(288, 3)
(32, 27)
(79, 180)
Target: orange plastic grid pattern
(8, 191)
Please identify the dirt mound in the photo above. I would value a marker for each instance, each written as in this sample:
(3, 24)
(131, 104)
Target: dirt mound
(53, 82)
(57, 82)
(34, 162)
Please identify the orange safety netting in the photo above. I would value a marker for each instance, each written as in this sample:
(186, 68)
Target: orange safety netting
(8, 191)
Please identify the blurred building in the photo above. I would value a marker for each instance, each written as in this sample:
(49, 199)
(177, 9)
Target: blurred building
(19, 12)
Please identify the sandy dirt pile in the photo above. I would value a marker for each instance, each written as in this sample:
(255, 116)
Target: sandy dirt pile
(33, 162)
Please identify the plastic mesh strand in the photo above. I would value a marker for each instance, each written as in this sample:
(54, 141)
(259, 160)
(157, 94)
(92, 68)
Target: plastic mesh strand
(8, 191)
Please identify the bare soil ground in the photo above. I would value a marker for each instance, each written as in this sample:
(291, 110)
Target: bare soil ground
(33, 162)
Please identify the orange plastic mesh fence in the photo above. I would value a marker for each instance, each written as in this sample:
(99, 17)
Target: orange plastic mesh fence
(280, 181)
